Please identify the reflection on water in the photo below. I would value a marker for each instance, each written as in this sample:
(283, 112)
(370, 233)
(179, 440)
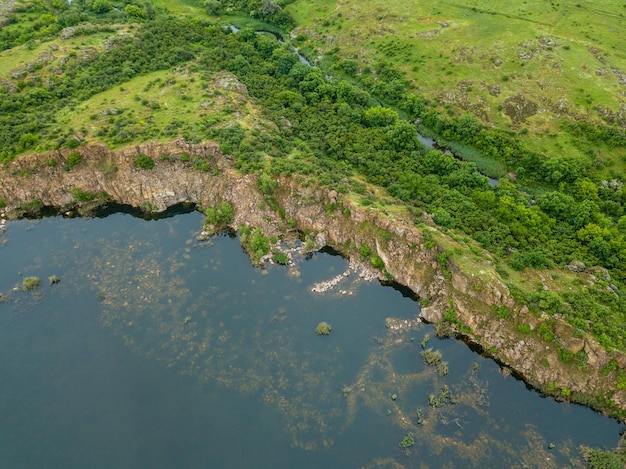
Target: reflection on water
(156, 350)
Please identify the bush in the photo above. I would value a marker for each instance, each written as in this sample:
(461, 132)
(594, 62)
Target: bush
(280, 258)
(221, 215)
(73, 159)
(30, 283)
(259, 244)
(323, 328)
(144, 162)
(267, 184)
(82, 196)
(535, 259)
(365, 251)
(442, 218)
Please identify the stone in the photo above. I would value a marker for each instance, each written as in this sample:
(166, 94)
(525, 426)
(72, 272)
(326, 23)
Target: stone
(320, 239)
(576, 266)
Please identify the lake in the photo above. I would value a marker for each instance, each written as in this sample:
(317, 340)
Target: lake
(156, 350)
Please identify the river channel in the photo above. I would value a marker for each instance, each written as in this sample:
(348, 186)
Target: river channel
(157, 350)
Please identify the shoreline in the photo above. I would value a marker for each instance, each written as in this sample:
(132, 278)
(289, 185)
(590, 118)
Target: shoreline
(454, 301)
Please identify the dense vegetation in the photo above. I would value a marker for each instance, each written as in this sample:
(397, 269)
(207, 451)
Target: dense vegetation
(554, 211)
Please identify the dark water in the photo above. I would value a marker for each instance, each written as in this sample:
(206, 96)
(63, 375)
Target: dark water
(156, 350)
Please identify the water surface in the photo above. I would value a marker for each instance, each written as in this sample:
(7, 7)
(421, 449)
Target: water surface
(156, 350)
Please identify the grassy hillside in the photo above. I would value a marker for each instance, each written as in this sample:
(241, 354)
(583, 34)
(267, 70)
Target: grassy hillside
(521, 66)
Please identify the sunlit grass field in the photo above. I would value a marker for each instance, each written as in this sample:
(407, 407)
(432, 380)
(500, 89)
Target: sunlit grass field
(552, 60)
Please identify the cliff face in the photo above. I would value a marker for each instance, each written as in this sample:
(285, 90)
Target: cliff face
(200, 174)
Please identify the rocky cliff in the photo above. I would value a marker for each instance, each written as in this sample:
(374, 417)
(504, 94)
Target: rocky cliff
(463, 295)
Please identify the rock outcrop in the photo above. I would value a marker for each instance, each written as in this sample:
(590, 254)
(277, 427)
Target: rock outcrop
(200, 174)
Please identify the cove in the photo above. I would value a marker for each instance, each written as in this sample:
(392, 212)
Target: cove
(157, 350)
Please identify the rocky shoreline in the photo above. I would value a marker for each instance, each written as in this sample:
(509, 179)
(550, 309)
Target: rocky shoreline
(469, 291)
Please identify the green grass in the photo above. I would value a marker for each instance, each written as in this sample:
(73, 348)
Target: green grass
(446, 47)
(20, 57)
(160, 105)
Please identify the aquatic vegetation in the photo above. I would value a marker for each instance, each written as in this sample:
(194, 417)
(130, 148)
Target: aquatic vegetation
(431, 357)
(53, 279)
(323, 328)
(425, 340)
(187, 320)
(603, 459)
(444, 397)
(442, 368)
(30, 283)
(408, 440)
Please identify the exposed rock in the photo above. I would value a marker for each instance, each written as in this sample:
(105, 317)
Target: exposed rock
(494, 90)
(620, 75)
(229, 82)
(518, 108)
(600, 272)
(576, 266)
(332, 196)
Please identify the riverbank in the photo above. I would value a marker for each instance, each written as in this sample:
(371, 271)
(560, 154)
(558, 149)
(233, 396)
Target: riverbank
(459, 294)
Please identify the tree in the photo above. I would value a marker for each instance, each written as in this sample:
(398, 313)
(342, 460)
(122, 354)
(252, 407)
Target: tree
(101, 6)
(134, 11)
(269, 7)
(403, 136)
(380, 117)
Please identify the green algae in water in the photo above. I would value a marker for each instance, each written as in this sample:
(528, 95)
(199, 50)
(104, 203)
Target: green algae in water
(251, 340)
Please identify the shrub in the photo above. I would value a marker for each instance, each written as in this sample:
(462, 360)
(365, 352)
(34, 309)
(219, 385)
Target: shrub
(144, 162)
(30, 283)
(220, 215)
(82, 196)
(259, 243)
(365, 250)
(73, 159)
(442, 218)
(534, 259)
(323, 328)
(377, 262)
(280, 258)
(267, 184)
